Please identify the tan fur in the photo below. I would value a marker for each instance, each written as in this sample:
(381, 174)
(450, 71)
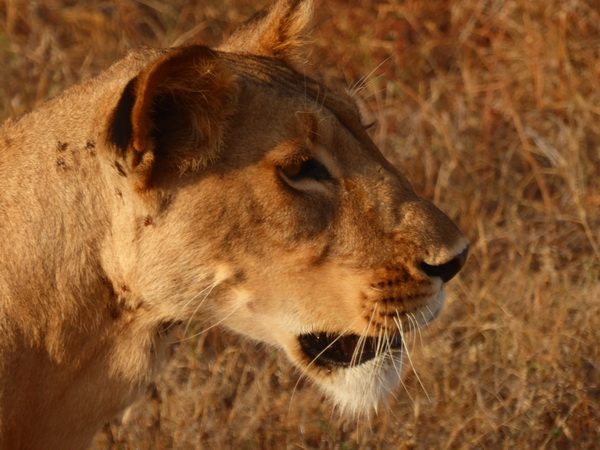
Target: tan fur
(166, 189)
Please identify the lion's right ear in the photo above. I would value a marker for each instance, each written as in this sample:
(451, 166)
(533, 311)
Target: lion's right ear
(173, 115)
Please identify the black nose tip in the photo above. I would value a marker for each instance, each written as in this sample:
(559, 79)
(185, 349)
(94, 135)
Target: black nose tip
(449, 269)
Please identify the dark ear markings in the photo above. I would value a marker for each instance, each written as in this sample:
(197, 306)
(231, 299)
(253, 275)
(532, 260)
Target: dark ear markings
(120, 128)
(173, 115)
(120, 169)
(90, 146)
(181, 109)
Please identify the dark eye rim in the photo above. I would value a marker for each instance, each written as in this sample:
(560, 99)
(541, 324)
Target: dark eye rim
(311, 169)
(370, 125)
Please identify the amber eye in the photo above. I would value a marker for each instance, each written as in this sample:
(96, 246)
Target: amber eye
(301, 170)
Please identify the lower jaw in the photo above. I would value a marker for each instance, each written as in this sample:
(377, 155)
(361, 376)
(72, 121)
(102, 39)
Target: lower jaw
(358, 391)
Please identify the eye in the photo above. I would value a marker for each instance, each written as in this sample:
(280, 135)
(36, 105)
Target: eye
(309, 169)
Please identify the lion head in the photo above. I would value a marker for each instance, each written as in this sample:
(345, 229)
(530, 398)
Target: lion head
(274, 214)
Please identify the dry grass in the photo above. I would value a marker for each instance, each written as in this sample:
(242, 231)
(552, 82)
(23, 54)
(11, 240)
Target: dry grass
(493, 111)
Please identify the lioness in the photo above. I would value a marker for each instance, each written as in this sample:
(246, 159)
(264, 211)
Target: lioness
(198, 183)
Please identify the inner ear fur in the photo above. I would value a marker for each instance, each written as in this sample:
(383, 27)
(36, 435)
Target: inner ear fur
(174, 114)
(280, 32)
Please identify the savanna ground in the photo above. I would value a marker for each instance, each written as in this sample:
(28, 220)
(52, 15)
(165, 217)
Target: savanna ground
(492, 109)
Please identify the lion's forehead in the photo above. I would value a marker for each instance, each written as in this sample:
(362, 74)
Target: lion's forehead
(273, 73)
(276, 75)
(270, 72)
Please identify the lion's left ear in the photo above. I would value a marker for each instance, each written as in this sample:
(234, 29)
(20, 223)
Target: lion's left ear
(279, 32)
(173, 115)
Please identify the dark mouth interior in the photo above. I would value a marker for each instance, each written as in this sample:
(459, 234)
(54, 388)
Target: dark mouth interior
(328, 350)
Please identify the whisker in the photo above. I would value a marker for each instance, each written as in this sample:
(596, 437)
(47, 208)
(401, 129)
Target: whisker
(420, 329)
(402, 383)
(361, 84)
(396, 362)
(375, 366)
(382, 339)
(414, 326)
(399, 324)
(361, 342)
(233, 310)
(389, 390)
(431, 315)
(210, 288)
(362, 338)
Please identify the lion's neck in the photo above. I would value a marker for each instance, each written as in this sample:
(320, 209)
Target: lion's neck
(63, 320)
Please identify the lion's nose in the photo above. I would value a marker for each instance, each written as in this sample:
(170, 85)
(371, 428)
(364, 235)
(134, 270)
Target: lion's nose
(446, 271)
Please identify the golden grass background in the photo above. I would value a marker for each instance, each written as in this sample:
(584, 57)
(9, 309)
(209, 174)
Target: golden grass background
(492, 109)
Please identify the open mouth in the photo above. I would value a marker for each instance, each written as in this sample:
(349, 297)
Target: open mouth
(329, 350)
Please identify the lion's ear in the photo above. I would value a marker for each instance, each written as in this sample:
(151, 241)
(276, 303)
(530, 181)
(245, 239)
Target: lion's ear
(279, 32)
(173, 115)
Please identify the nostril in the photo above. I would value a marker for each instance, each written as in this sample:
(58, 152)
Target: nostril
(449, 269)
